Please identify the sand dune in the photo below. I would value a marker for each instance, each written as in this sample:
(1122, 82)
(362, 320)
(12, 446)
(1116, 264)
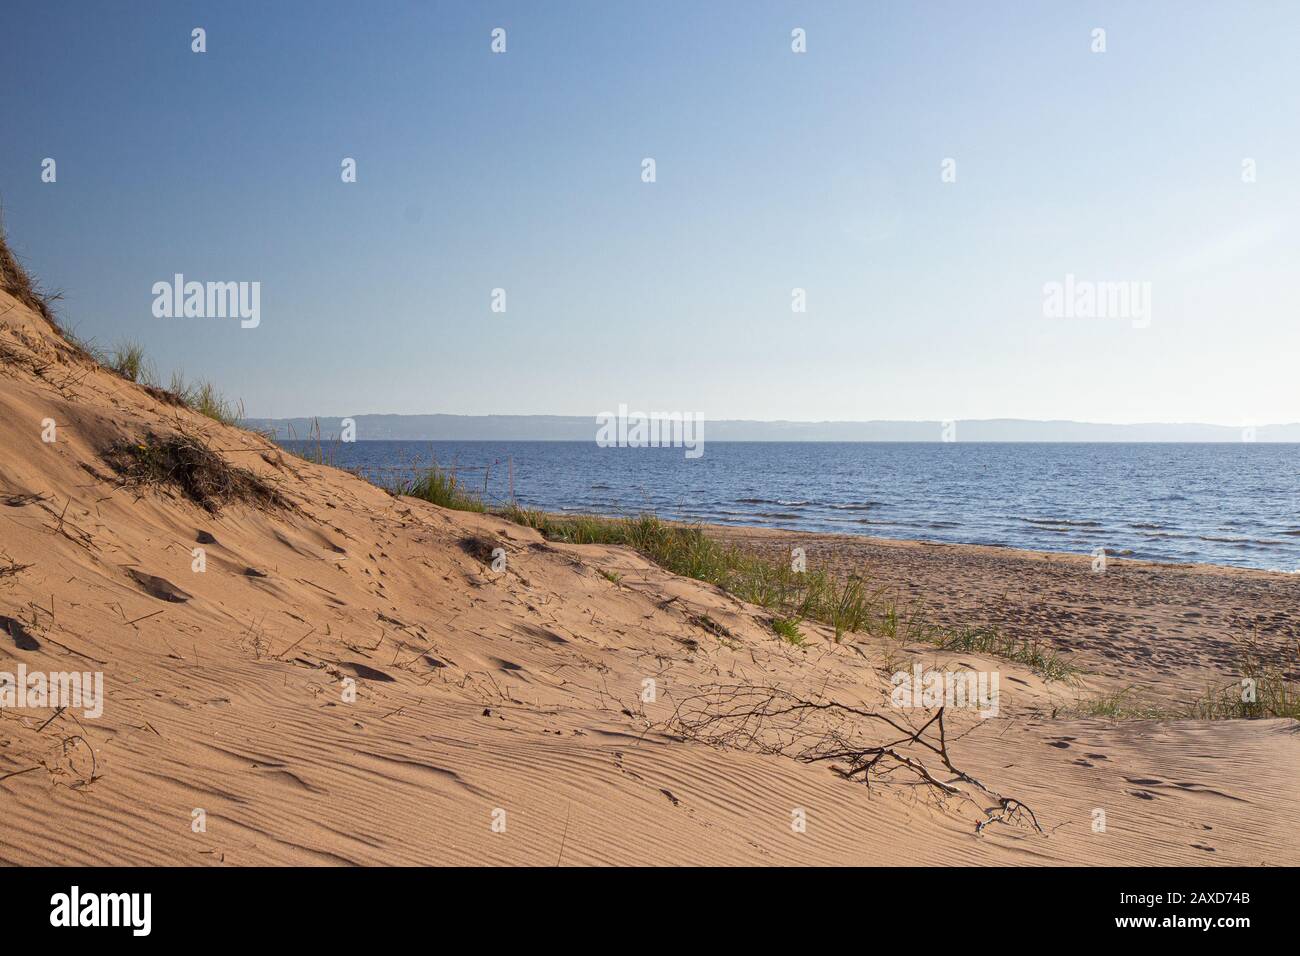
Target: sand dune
(518, 691)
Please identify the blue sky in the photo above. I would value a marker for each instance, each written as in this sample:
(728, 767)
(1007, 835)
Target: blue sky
(775, 170)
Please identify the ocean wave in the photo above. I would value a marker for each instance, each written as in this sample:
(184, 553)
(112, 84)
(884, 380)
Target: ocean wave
(1235, 539)
(1062, 521)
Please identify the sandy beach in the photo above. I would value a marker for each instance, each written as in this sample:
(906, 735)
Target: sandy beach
(1169, 629)
(348, 677)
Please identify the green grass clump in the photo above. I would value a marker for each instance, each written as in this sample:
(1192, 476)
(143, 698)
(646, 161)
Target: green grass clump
(128, 360)
(788, 630)
(441, 487)
(204, 398)
(1261, 691)
(1120, 705)
(1271, 696)
(991, 641)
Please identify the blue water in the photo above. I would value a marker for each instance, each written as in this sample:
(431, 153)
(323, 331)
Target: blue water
(1233, 504)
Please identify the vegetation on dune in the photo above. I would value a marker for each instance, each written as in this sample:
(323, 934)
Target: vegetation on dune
(1122, 704)
(847, 605)
(788, 630)
(1260, 691)
(15, 280)
(315, 451)
(128, 360)
(441, 487)
(185, 462)
(204, 398)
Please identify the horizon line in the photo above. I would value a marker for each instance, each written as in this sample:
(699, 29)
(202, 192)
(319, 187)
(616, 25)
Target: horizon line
(659, 416)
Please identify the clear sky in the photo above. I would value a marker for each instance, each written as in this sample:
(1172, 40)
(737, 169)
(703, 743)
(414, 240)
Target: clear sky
(775, 170)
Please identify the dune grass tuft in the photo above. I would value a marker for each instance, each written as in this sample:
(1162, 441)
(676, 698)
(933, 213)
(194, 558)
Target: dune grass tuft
(204, 398)
(1261, 691)
(991, 641)
(317, 451)
(1271, 695)
(185, 462)
(788, 630)
(128, 360)
(441, 487)
(1120, 705)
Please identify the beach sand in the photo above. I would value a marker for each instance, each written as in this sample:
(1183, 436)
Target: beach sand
(503, 716)
(1170, 631)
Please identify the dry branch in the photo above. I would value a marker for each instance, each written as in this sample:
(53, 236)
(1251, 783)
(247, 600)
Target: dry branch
(859, 743)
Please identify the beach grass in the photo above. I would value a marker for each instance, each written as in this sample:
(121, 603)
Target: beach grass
(847, 605)
(204, 398)
(1122, 704)
(441, 487)
(128, 360)
(991, 641)
(315, 450)
(788, 630)
(1262, 694)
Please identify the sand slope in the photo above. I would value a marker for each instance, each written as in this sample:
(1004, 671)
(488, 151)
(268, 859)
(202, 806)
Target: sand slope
(482, 691)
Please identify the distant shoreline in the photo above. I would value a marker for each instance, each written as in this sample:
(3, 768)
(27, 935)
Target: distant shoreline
(252, 424)
(584, 428)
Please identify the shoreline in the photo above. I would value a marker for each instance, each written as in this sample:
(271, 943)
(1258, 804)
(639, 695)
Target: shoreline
(1112, 559)
(1138, 621)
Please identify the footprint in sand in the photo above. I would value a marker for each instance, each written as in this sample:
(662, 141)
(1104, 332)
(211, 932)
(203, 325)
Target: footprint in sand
(157, 587)
(21, 637)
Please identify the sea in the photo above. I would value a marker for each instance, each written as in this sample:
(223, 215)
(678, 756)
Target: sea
(1235, 504)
